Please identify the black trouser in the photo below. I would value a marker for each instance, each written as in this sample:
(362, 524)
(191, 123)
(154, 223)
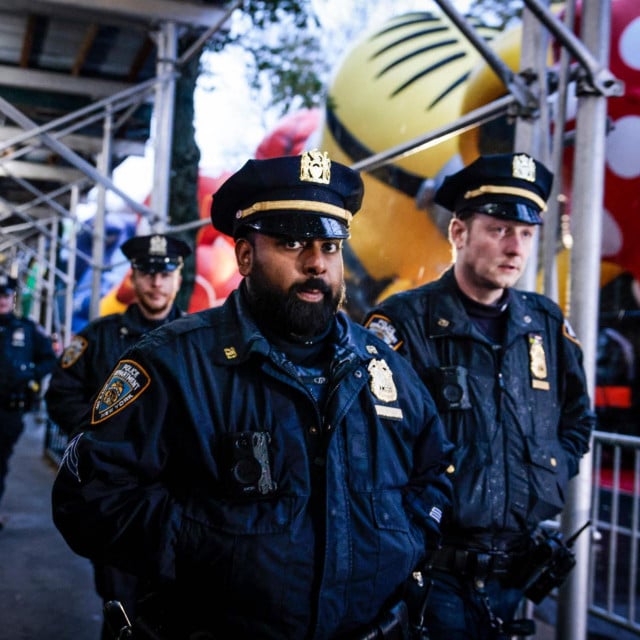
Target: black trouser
(113, 584)
(11, 426)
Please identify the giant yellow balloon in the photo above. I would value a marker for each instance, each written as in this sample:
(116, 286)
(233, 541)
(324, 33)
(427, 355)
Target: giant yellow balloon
(399, 82)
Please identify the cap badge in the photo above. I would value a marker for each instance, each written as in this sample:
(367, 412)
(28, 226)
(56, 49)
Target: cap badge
(381, 382)
(315, 166)
(158, 245)
(524, 167)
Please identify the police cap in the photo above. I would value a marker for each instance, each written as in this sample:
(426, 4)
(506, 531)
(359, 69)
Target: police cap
(8, 285)
(512, 186)
(155, 253)
(305, 196)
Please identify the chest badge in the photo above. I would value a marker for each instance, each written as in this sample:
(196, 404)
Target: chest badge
(537, 363)
(381, 381)
(18, 338)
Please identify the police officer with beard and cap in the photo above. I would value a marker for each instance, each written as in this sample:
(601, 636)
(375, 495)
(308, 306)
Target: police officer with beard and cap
(506, 372)
(156, 276)
(276, 468)
(26, 356)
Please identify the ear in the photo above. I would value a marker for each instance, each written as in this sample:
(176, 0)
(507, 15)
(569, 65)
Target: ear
(244, 256)
(457, 230)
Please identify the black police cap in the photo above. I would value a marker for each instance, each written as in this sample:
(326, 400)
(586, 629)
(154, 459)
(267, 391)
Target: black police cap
(512, 186)
(155, 253)
(305, 196)
(7, 284)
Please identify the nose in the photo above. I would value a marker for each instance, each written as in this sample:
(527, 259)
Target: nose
(516, 244)
(314, 258)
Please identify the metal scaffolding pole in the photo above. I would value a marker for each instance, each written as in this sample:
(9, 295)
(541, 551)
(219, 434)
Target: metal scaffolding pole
(532, 129)
(586, 219)
(72, 241)
(167, 44)
(104, 166)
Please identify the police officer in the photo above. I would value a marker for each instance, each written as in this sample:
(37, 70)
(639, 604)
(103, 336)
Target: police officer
(506, 372)
(274, 464)
(156, 276)
(26, 356)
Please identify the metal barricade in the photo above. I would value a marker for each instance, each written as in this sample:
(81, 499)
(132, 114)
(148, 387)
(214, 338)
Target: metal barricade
(615, 516)
(55, 441)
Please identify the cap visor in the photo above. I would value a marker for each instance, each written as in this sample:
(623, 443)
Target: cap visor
(299, 225)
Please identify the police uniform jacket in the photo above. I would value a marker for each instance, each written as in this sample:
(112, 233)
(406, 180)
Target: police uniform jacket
(88, 360)
(518, 413)
(348, 496)
(26, 354)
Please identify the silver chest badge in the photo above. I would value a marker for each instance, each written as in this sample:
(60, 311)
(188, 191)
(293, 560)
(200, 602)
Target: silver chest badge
(381, 381)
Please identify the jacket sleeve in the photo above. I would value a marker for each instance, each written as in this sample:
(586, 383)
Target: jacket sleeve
(578, 419)
(109, 500)
(429, 493)
(70, 387)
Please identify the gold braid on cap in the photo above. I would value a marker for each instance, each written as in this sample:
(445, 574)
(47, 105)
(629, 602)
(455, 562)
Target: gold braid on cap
(307, 206)
(512, 191)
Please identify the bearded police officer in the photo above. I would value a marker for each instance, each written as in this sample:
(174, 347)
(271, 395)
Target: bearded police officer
(156, 276)
(26, 356)
(276, 466)
(506, 372)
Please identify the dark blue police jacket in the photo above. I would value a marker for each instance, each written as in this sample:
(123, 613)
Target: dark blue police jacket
(305, 525)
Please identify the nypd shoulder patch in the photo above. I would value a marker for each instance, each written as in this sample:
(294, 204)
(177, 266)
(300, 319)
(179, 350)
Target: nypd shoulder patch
(126, 383)
(384, 329)
(568, 332)
(74, 350)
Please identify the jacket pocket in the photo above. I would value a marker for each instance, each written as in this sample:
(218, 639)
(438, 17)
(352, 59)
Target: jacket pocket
(548, 477)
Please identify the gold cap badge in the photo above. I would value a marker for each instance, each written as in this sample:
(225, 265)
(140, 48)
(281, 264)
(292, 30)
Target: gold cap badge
(315, 166)
(524, 167)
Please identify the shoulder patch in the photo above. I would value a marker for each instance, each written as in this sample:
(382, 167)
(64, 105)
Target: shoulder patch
(384, 329)
(126, 383)
(74, 350)
(568, 332)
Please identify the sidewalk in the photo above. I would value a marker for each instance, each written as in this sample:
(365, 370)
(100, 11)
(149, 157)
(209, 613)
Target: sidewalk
(46, 591)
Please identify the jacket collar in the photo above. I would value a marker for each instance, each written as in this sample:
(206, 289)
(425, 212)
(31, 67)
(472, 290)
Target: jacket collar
(449, 317)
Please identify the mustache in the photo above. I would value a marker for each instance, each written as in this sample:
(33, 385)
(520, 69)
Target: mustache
(312, 284)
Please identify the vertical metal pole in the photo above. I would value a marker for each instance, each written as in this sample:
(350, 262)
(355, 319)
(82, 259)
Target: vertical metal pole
(532, 133)
(36, 294)
(51, 277)
(104, 166)
(163, 124)
(586, 219)
(551, 229)
(72, 244)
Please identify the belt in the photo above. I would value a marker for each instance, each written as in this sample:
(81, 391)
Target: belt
(471, 562)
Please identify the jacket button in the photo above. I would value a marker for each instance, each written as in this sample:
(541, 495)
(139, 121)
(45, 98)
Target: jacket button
(554, 462)
(358, 373)
(313, 430)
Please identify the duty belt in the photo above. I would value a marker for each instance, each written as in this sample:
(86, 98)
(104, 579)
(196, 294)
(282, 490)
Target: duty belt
(472, 562)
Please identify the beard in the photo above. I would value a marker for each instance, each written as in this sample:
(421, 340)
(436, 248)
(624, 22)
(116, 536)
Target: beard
(155, 308)
(284, 314)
